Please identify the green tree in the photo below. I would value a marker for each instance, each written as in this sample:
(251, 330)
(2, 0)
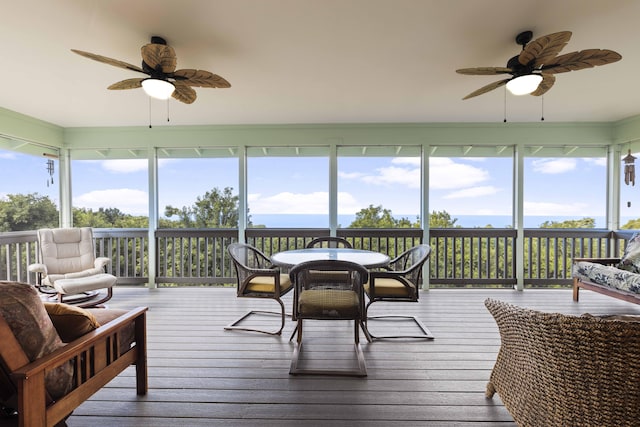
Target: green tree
(107, 218)
(20, 212)
(378, 217)
(632, 224)
(570, 223)
(216, 209)
(442, 219)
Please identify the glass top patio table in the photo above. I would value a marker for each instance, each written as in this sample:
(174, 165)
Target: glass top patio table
(368, 259)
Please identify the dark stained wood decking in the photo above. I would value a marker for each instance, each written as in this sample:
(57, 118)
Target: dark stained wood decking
(202, 375)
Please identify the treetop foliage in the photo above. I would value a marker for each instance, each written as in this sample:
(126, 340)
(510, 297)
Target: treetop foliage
(215, 209)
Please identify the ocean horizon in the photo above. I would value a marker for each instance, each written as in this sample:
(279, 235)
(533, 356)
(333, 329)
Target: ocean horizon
(467, 221)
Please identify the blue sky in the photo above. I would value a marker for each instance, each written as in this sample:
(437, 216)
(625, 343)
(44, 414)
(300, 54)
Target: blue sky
(462, 186)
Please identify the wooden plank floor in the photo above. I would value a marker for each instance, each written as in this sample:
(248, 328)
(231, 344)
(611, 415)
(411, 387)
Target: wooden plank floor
(202, 375)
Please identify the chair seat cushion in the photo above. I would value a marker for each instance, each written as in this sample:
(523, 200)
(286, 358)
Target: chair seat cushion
(84, 284)
(266, 284)
(389, 287)
(607, 275)
(328, 304)
(27, 318)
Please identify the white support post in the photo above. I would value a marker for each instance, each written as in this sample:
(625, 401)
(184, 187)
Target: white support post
(518, 213)
(242, 194)
(153, 216)
(333, 190)
(64, 186)
(424, 209)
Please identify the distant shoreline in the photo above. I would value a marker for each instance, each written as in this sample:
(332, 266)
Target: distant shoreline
(467, 221)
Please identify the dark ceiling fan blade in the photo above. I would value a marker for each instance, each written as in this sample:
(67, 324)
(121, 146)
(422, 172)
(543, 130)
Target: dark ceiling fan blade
(544, 49)
(200, 78)
(184, 93)
(582, 59)
(484, 71)
(487, 88)
(126, 84)
(109, 61)
(547, 82)
(161, 55)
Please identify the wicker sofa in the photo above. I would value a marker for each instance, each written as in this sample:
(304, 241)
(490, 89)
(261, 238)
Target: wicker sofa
(559, 370)
(615, 277)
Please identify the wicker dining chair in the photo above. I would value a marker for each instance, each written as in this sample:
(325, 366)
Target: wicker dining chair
(337, 295)
(398, 282)
(329, 242)
(257, 278)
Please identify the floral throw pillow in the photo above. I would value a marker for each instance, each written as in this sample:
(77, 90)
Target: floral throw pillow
(631, 259)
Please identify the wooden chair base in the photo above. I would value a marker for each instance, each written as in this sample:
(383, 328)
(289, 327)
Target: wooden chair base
(426, 334)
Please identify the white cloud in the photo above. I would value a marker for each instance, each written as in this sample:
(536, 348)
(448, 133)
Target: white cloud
(350, 175)
(472, 192)
(408, 177)
(125, 165)
(445, 174)
(413, 161)
(7, 155)
(300, 203)
(596, 161)
(554, 166)
(134, 202)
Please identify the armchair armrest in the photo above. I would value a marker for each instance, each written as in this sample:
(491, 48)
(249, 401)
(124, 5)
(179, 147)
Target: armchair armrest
(101, 262)
(37, 268)
(603, 261)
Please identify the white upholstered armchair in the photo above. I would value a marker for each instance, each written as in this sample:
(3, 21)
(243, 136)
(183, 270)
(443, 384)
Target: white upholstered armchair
(68, 266)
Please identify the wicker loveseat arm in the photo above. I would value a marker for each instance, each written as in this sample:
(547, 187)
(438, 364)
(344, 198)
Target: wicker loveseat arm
(559, 370)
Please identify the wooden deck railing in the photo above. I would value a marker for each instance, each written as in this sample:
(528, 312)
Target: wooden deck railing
(461, 257)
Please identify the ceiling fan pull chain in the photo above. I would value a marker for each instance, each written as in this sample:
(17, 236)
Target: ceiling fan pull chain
(505, 105)
(167, 110)
(149, 112)
(542, 116)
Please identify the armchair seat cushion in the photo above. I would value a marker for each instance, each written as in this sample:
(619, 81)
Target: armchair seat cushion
(385, 286)
(265, 284)
(84, 284)
(606, 275)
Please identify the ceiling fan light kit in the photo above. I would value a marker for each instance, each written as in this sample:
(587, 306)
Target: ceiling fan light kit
(157, 88)
(524, 85)
(164, 81)
(537, 64)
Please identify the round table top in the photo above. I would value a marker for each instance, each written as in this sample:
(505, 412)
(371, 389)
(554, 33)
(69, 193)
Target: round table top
(367, 259)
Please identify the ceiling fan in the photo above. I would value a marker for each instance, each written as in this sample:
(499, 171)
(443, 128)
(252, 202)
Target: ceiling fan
(164, 81)
(532, 71)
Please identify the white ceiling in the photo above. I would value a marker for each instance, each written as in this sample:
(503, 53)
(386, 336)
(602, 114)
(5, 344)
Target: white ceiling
(312, 61)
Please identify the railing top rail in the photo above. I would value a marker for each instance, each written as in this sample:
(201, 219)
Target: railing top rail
(568, 232)
(197, 232)
(472, 232)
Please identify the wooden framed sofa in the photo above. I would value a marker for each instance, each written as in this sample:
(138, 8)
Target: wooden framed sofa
(603, 276)
(615, 277)
(54, 356)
